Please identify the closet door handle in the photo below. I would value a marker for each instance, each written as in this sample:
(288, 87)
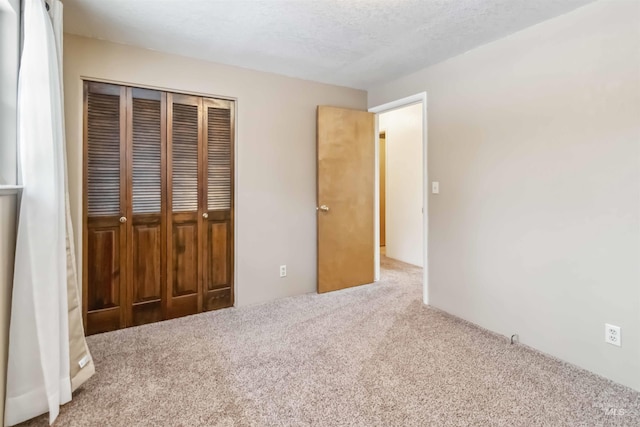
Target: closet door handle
(205, 215)
(123, 219)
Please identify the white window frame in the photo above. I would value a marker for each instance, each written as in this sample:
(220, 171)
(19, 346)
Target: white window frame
(9, 62)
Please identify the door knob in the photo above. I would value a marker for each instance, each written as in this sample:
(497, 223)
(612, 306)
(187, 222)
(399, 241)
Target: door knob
(205, 215)
(324, 208)
(123, 219)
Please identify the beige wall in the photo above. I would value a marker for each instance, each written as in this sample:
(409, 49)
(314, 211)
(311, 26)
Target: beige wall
(535, 140)
(276, 186)
(404, 220)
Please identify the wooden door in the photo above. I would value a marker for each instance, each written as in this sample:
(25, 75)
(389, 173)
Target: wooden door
(146, 225)
(217, 154)
(105, 207)
(184, 216)
(158, 212)
(346, 167)
(383, 188)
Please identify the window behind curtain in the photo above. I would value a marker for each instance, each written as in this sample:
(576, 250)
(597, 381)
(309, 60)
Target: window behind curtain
(9, 51)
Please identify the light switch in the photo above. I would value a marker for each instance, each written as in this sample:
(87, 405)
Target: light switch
(435, 187)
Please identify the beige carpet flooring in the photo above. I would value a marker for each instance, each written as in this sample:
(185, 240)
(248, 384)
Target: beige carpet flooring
(367, 356)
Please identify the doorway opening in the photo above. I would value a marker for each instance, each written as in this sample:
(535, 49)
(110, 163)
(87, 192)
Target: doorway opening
(401, 183)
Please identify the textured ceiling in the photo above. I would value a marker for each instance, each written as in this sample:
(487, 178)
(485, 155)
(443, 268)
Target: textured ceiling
(356, 43)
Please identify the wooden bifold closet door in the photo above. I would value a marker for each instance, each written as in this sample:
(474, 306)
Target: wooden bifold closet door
(158, 205)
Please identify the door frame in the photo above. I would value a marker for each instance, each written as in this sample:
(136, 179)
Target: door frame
(419, 98)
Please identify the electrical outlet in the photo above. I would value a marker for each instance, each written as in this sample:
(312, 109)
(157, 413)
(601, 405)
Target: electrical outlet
(612, 334)
(283, 271)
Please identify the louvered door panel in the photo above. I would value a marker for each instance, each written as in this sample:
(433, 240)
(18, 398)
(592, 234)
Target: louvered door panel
(185, 169)
(103, 152)
(146, 233)
(218, 248)
(147, 151)
(104, 237)
(218, 158)
(184, 154)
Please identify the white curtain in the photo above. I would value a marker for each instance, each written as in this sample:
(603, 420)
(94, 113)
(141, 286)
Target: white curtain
(80, 364)
(38, 373)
